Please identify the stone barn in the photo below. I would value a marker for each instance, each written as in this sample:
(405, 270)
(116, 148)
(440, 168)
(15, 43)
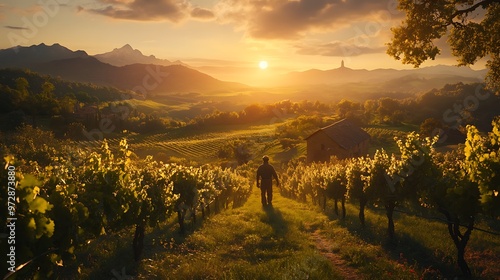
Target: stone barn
(342, 139)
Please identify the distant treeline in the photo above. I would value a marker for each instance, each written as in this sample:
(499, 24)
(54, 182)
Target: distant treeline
(83, 92)
(68, 108)
(265, 112)
(453, 106)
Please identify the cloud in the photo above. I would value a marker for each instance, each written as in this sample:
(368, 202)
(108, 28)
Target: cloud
(149, 10)
(143, 10)
(15, 27)
(283, 19)
(203, 14)
(337, 49)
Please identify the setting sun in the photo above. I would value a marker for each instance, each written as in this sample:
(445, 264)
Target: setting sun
(263, 64)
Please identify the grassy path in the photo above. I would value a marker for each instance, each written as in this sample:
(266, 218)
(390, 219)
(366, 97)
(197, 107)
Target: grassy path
(293, 241)
(252, 242)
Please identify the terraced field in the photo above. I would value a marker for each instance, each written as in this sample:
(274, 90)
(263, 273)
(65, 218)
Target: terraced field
(200, 146)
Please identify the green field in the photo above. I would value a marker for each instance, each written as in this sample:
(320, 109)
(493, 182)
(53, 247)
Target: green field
(201, 144)
(293, 241)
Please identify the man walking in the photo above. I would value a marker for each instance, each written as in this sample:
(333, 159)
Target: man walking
(265, 175)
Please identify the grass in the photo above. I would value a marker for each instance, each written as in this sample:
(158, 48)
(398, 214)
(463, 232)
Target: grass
(250, 242)
(421, 245)
(292, 240)
(247, 243)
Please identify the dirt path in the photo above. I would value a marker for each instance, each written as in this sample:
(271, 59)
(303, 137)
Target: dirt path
(327, 249)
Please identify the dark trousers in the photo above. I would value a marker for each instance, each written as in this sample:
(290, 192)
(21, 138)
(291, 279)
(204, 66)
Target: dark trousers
(266, 190)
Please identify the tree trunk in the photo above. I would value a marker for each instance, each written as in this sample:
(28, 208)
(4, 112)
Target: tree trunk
(202, 211)
(180, 218)
(462, 263)
(335, 206)
(389, 208)
(362, 204)
(236, 201)
(216, 204)
(459, 240)
(343, 207)
(138, 242)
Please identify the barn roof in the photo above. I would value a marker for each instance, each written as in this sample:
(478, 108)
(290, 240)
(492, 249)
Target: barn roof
(345, 133)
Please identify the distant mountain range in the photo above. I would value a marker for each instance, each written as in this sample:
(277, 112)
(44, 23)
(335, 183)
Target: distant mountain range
(128, 69)
(59, 61)
(26, 57)
(126, 55)
(391, 78)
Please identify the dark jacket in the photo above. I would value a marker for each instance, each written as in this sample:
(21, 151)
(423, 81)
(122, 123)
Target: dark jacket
(266, 172)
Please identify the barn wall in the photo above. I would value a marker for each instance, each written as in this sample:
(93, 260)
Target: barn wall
(364, 147)
(320, 148)
(315, 153)
(361, 149)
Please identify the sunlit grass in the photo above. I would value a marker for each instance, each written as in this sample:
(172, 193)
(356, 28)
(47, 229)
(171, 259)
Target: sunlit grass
(420, 244)
(248, 243)
(251, 242)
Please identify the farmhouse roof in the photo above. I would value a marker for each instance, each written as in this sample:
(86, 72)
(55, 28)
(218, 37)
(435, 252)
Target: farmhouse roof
(344, 132)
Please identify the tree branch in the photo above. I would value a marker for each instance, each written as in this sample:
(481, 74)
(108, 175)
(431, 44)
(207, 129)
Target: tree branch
(483, 4)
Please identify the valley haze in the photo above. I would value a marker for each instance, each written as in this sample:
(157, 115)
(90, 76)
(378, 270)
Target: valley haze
(126, 68)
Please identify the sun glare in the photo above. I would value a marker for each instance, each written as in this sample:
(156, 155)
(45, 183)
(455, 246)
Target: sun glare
(263, 64)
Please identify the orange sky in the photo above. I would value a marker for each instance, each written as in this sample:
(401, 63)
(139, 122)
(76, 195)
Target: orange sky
(291, 35)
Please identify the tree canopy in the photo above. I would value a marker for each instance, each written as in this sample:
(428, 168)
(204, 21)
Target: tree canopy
(472, 28)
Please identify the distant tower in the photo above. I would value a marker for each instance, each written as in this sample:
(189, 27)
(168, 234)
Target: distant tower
(342, 64)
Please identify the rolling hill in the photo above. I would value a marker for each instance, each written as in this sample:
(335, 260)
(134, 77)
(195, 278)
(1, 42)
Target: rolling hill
(78, 66)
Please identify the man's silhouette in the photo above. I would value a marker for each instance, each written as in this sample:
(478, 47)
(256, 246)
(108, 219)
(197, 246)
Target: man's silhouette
(265, 175)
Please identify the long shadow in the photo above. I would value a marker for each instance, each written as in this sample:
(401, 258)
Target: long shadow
(368, 232)
(402, 248)
(121, 264)
(272, 245)
(276, 221)
(118, 264)
(407, 248)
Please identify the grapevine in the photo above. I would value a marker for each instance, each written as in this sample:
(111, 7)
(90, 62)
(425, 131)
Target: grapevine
(80, 194)
(460, 185)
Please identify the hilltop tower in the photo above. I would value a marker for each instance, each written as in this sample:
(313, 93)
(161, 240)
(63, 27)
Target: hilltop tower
(342, 64)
